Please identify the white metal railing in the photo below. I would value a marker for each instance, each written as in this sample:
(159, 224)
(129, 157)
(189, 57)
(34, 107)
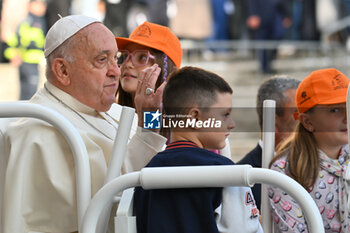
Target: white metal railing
(81, 159)
(268, 150)
(117, 158)
(120, 143)
(249, 44)
(202, 176)
(192, 45)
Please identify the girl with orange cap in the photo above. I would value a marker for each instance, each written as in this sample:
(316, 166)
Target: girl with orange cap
(148, 47)
(316, 154)
(146, 58)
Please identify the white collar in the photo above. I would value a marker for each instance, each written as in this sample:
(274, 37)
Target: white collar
(69, 100)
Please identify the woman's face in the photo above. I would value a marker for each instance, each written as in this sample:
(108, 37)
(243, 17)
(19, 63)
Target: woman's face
(329, 125)
(130, 73)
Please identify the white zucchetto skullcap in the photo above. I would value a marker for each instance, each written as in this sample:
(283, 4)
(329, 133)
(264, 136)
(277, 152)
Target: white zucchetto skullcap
(63, 29)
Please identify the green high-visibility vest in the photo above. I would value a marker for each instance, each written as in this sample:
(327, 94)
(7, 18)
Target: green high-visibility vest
(28, 42)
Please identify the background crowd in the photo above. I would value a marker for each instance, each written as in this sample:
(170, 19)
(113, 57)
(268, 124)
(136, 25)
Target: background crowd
(202, 21)
(197, 19)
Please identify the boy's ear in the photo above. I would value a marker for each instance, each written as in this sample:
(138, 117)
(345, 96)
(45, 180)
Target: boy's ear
(194, 113)
(306, 122)
(60, 68)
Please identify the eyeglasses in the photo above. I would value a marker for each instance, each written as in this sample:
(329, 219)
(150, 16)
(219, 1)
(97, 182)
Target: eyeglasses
(138, 57)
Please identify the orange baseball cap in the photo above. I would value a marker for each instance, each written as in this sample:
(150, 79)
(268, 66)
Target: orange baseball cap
(157, 37)
(326, 86)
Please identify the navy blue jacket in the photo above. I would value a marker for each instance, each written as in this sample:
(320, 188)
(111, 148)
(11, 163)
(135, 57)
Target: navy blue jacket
(271, 13)
(189, 210)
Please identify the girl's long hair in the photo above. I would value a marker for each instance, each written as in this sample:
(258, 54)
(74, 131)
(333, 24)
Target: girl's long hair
(302, 156)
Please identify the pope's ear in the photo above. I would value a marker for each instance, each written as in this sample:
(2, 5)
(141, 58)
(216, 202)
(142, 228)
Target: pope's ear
(60, 68)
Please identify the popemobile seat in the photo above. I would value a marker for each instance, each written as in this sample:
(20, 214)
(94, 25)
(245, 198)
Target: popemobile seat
(9, 111)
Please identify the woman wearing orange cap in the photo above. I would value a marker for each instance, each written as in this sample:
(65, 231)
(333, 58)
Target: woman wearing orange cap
(148, 47)
(316, 155)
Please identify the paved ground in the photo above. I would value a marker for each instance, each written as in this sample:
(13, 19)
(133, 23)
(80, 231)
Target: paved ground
(243, 76)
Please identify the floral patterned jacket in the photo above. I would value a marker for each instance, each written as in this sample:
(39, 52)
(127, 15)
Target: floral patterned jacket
(330, 193)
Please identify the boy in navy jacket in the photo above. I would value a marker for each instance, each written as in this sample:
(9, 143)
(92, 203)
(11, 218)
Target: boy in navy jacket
(199, 103)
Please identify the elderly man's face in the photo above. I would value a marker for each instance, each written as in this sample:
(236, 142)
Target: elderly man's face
(285, 124)
(95, 73)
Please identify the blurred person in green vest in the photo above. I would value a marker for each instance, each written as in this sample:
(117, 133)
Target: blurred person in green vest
(26, 47)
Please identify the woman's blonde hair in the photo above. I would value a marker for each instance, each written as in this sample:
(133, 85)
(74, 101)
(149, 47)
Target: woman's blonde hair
(302, 156)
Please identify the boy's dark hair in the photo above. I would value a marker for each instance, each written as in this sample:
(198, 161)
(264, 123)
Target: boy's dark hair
(192, 86)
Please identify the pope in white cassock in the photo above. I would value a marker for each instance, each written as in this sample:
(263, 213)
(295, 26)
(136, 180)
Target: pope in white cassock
(82, 79)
